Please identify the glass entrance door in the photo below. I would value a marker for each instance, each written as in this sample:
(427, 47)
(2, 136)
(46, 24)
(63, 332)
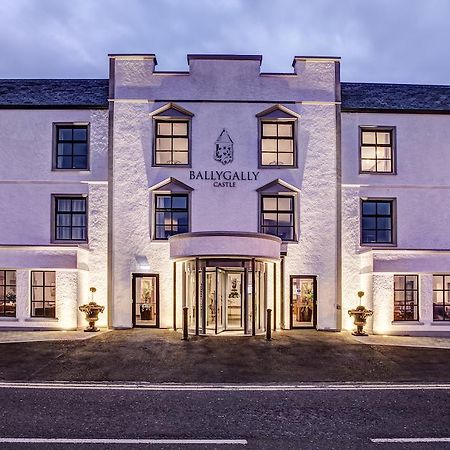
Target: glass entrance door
(145, 294)
(303, 301)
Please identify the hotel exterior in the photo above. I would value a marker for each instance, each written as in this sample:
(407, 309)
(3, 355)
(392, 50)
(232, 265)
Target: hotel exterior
(224, 192)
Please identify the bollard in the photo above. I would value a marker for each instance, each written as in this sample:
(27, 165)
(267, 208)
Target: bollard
(185, 324)
(269, 325)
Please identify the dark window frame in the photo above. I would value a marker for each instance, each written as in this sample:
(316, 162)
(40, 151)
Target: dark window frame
(4, 289)
(56, 141)
(262, 227)
(282, 121)
(54, 221)
(164, 119)
(157, 209)
(373, 129)
(444, 303)
(43, 286)
(393, 216)
(405, 290)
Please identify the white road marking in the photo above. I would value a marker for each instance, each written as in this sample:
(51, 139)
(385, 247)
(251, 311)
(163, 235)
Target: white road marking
(123, 441)
(224, 387)
(409, 440)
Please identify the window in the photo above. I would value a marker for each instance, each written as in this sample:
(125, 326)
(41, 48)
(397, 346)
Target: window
(377, 150)
(43, 297)
(7, 293)
(277, 216)
(406, 297)
(70, 219)
(171, 215)
(441, 297)
(172, 142)
(277, 143)
(377, 222)
(71, 147)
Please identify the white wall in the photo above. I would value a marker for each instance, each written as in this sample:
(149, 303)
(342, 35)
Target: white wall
(27, 183)
(223, 209)
(421, 188)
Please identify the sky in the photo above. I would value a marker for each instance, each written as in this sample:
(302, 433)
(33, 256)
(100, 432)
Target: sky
(398, 41)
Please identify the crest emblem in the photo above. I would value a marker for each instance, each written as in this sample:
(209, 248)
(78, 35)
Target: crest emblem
(224, 148)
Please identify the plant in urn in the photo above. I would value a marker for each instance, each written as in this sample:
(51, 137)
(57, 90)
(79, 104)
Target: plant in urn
(360, 315)
(91, 311)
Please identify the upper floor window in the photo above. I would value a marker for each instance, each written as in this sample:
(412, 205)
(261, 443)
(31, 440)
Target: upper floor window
(7, 293)
(377, 150)
(171, 215)
(406, 297)
(377, 221)
(441, 297)
(70, 218)
(277, 137)
(172, 136)
(277, 216)
(43, 296)
(71, 147)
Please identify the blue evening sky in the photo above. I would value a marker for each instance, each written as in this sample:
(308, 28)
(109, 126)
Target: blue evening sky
(402, 41)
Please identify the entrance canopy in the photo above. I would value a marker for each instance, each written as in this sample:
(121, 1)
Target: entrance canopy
(225, 244)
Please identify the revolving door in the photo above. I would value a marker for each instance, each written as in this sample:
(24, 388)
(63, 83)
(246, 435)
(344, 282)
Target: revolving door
(226, 295)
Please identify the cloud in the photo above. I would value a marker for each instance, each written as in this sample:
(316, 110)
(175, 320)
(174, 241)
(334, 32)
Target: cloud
(380, 40)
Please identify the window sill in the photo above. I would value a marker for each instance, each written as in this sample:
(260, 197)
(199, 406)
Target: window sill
(377, 173)
(55, 169)
(41, 319)
(440, 323)
(9, 319)
(406, 322)
(377, 245)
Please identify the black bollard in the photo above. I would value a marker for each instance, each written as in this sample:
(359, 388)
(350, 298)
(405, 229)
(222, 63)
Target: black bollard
(185, 324)
(269, 325)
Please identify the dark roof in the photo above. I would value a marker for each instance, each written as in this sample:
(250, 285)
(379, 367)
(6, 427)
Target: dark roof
(87, 93)
(93, 93)
(381, 97)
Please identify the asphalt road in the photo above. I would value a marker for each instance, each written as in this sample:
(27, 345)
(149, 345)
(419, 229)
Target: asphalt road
(309, 417)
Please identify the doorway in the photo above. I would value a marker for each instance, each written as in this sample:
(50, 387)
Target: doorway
(303, 294)
(145, 295)
(226, 295)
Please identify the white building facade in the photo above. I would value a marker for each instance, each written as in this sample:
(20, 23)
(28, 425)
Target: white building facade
(217, 194)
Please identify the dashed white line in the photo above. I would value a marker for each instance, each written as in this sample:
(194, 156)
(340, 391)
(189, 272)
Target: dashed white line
(409, 440)
(224, 387)
(123, 441)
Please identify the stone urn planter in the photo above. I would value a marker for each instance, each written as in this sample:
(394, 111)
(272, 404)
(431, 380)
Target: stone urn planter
(360, 315)
(91, 311)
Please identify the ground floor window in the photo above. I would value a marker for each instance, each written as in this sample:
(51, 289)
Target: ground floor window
(43, 295)
(7, 293)
(303, 301)
(145, 293)
(406, 297)
(441, 300)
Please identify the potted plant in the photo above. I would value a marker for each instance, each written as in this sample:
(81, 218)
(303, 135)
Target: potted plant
(91, 311)
(360, 315)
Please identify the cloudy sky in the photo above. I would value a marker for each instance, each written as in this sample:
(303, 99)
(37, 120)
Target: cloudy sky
(379, 40)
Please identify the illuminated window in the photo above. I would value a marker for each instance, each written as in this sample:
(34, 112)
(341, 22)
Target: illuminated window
(441, 297)
(277, 143)
(171, 215)
(406, 297)
(70, 219)
(71, 147)
(277, 216)
(7, 293)
(377, 150)
(377, 222)
(43, 296)
(172, 142)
